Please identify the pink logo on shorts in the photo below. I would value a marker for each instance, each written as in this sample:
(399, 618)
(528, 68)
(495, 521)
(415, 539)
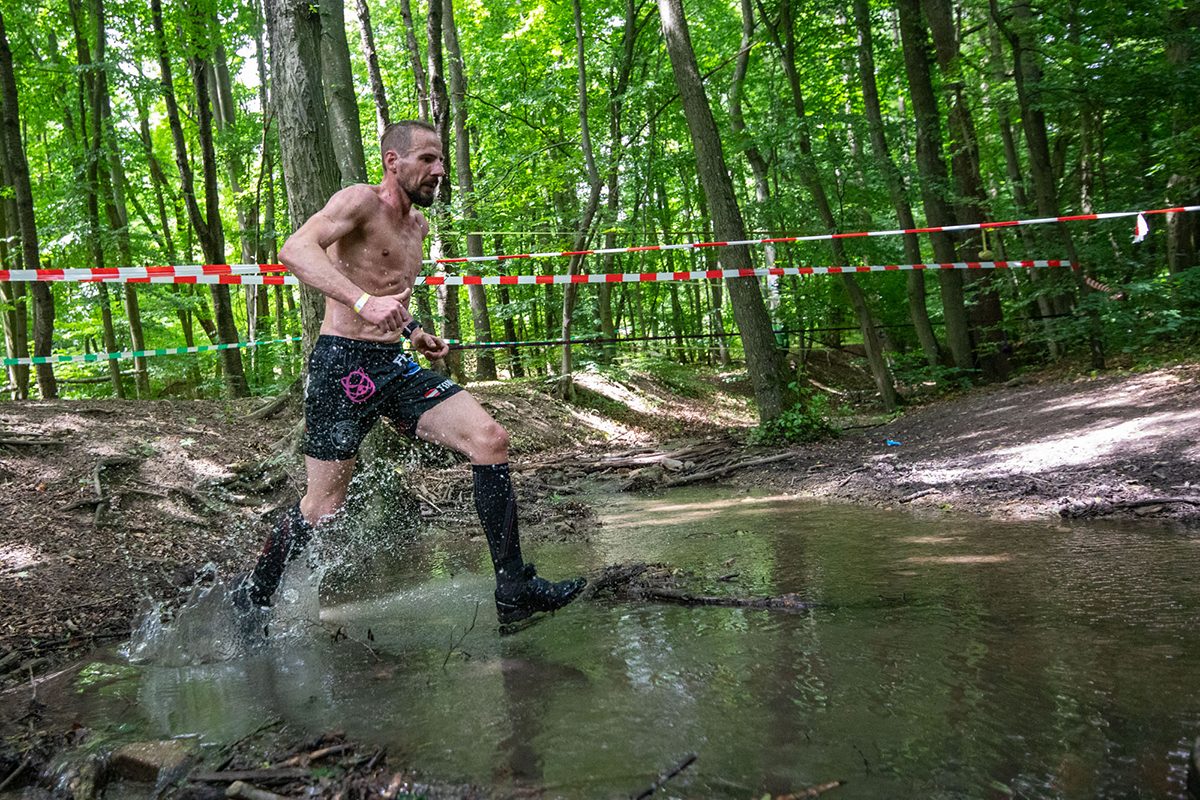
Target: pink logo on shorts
(358, 386)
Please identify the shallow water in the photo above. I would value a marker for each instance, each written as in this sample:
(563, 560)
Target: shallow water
(945, 657)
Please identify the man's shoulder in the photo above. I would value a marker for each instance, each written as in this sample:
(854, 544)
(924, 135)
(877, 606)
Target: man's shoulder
(358, 194)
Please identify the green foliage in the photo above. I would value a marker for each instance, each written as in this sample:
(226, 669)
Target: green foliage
(913, 371)
(1103, 66)
(806, 421)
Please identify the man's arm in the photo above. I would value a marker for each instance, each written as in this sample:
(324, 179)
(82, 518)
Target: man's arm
(304, 254)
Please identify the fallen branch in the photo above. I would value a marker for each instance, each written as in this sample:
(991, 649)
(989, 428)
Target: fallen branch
(12, 776)
(244, 791)
(282, 775)
(783, 602)
(696, 477)
(278, 403)
(908, 498)
(34, 439)
(662, 779)
(454, 644)
(812, 791)
(304, 759)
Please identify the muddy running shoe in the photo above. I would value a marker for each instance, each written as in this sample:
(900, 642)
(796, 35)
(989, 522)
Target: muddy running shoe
(528, 594)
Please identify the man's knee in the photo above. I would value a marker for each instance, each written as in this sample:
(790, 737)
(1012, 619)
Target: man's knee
(491, 442)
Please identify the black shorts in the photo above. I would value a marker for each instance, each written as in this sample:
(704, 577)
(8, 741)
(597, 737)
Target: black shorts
(352, 383)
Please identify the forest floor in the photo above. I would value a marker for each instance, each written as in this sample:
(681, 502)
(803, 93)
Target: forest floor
(104, 502)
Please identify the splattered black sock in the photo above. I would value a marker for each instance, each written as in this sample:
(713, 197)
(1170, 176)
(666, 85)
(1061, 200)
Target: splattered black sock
(496, 503)
(289, 538)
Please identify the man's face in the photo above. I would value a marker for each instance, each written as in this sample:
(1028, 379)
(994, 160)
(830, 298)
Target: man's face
(419, 170)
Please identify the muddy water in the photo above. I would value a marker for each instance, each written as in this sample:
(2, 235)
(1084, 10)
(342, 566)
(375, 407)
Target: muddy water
(944, 658)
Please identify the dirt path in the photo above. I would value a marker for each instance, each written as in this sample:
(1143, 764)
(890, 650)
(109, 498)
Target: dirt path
(1114, 446)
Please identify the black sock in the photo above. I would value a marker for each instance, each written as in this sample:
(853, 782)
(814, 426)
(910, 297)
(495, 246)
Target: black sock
(496, 503)
(288, 539)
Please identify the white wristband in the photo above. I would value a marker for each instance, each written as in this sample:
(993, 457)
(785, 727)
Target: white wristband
(361, 302)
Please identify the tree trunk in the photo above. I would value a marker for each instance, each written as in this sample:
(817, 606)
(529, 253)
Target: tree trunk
(897, 189)
(485, 360)
(608, 328)
(210, 233)
(440, 222)
(18, 168)
(783, 36)
(986, 313)
(934, 178)
(583, 231)
(415, 60)
(91, 129)
(767, 371)
(1041, 306)
(338, 80)
(115, 206)
(1027, 74)
(382, 116)
(310, 169)
(13, 295)
(1183, 187)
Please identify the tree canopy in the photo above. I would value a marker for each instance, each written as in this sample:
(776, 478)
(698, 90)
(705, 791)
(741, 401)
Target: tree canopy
(832, 116)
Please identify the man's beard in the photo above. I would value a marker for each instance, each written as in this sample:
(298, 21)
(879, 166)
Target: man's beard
(422, 196)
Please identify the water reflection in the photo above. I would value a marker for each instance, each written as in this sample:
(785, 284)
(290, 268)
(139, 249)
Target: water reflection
(943, 658)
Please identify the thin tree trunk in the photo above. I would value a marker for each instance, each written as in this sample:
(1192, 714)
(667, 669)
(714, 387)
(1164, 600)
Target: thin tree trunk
(583, 232)
(382, 116)
(985, 312)
(767, 371)
(18, 169)
(441, 223)
(485, 360)
(13, 295)
(1183, 187)
(892, 177)
(1027, 74)
(115, 206)
(415, 60)
(934, 178)
(1016, 180)
(209, 232)
(783, 35)
(608, 328)
(91, 129)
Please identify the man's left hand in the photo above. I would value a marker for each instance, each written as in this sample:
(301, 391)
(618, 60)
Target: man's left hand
(429, 345)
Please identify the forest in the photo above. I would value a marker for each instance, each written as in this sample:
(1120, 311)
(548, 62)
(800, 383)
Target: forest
(170, 133)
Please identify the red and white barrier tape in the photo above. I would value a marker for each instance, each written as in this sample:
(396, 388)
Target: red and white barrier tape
(138, 274)
(165, 274)
(84, 276)
(1139, 233)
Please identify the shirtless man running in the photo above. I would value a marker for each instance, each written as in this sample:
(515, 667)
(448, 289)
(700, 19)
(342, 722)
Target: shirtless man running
(363, 252)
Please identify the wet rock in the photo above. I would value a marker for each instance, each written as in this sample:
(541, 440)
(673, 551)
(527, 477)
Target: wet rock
(147, 762)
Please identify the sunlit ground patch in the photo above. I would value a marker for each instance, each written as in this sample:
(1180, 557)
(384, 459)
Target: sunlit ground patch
(19, 556)
(999, 558)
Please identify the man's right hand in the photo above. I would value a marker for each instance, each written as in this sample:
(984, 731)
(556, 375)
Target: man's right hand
(387, 312)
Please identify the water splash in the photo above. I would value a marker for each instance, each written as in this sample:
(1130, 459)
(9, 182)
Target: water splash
(209, 627)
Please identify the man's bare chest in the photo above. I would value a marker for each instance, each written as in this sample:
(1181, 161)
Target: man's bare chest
(382, 257)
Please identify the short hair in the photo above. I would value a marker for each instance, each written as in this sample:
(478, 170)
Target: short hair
(398, 136)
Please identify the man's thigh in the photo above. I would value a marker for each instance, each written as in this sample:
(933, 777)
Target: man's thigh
(455, 423)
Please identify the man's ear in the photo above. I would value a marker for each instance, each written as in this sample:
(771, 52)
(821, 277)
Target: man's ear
(390, 158)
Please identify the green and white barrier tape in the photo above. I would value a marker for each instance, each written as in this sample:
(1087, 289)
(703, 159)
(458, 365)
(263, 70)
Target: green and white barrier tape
(125, 355)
